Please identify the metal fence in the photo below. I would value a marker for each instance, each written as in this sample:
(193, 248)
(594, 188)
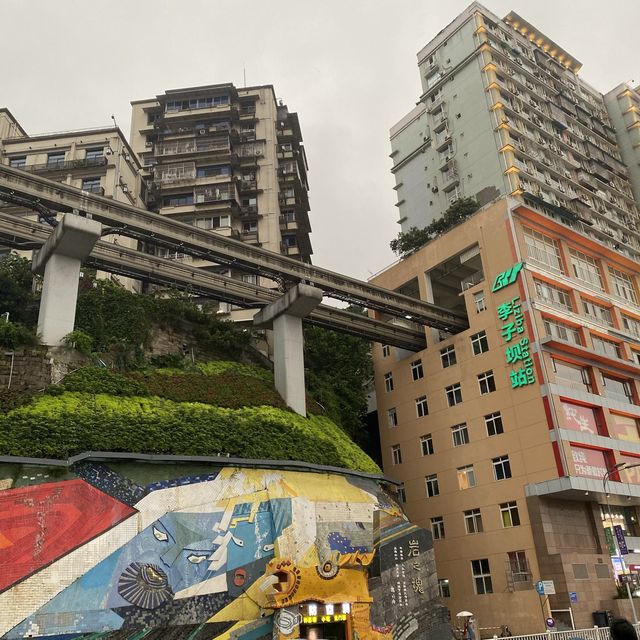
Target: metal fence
(593, 633)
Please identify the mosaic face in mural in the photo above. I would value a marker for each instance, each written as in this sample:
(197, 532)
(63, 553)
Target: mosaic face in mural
(222, 553)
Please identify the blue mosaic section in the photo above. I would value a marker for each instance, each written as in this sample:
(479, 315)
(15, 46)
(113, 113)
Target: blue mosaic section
(179, 482)
(107, 480)
(338, 542)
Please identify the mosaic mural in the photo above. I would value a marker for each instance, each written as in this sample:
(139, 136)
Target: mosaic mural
(123, 550)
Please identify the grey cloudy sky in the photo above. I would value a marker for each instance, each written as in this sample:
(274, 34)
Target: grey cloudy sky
(348, 67)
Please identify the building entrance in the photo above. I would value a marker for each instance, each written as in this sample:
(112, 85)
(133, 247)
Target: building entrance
(324, 631)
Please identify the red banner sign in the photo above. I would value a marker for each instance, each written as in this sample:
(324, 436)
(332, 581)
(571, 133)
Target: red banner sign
(579, 418)
(588, 463)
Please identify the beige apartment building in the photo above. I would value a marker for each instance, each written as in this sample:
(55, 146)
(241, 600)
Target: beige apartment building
(99, 161)
(503, 435)
(228, 160)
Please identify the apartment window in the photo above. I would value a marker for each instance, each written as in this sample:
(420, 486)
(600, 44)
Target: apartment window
(437, 527)
(493, 422)
(55, 160)
(213, 170)
(386, 350)
(448, 356)
(605, 347)
(396, 454)
(561, 331)
(543, 250)
(631, 325)
(481, 576)
(91, 184)
(473, 521)
(18, 163)
(454, 394)
(402, 496)
(426, 445)
(622, 285)
(501, 467)
(487, 382)
(519, 566)
(213, 222)
(177, 200)
(422, 408)
(466, 477)
(552, 295)
(388, 382)
(479, 343)
(585, 268)
(416, 370)
(572, 375)
(431, 483)
(460, 435)
(509, 514)
(94, 154)
(617, 389)
(479, 301)
(250, 278)
(443, 588)
(392, 417)
(249, 227)
(597, 312)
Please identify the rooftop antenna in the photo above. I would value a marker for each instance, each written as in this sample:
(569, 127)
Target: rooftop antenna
(244, 75)
(114, 120)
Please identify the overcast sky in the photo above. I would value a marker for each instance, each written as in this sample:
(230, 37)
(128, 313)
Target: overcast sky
(348, 67)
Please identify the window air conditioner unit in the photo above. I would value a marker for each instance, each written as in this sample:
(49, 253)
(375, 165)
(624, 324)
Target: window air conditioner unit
(202, 131)
(148, 145)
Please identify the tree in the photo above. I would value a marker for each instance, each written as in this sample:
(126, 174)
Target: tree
(16, 290)
(410, 241)
(338, 369)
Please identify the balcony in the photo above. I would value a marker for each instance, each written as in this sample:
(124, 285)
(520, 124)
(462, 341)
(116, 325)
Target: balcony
(248, 185)
(215, 194)
(249, 209)
(450, 179)
(66, 165)
(181, 147)
(94, 188)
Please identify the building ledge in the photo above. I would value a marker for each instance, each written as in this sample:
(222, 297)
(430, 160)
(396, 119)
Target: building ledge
(584, 490)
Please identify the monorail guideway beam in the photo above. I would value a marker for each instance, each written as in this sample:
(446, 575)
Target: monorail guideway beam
(203, 244)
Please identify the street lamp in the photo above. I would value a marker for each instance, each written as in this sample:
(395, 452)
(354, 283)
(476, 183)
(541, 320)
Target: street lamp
(605, 478)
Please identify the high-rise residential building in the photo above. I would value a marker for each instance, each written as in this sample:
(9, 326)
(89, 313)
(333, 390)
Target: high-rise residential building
(505, 112)
(517, 440)
(229, 160)
(623, 106)
(98, 160)
(511, 438)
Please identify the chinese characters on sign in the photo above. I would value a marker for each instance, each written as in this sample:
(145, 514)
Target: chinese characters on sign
(399, 596)
(414, 551)
(512, 330)
(589, 463)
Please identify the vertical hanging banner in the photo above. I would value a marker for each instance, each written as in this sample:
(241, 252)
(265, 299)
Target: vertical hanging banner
(622, 543)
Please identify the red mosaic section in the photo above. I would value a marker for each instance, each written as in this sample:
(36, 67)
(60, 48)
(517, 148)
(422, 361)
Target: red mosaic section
(42, 523)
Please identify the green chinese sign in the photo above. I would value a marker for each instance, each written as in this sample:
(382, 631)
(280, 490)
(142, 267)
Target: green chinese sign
(506, 277)
(610, 543)
(512, 330)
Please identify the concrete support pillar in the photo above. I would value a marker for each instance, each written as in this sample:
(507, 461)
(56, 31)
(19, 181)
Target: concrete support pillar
(288, 361)
(59, 261)
(284, 316)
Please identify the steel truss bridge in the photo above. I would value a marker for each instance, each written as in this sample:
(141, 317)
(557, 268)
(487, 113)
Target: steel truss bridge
(46, 197)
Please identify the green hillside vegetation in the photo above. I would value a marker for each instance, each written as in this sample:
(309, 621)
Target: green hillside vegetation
(218, 407)
(169, 404)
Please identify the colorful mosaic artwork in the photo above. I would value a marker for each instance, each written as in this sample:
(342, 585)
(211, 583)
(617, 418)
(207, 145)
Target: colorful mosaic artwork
(148, 550)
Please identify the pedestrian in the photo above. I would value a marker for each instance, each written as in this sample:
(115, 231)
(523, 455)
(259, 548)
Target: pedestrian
(505, 632)
(622, 629)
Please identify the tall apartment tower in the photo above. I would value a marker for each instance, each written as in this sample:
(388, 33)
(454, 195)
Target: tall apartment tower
(228, 160)
(98, 160)
(504, 112)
